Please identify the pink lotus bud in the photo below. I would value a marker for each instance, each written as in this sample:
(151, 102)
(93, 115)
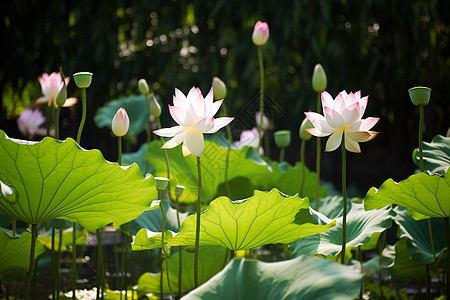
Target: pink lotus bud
(260, 33)
(120, 122)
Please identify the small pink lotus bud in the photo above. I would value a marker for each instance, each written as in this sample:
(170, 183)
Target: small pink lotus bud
(120, 122)
(260, 33)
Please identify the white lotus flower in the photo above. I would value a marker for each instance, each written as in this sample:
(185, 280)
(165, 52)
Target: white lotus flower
(195, 116)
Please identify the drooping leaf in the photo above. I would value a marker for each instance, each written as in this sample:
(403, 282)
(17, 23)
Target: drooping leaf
(247, 172)
(136, 108)
(55, 179)
(15, 256)
(211, 261)
(153, 221)
(265, 218)
(66, 243)
(299, 278)
(417, 232)
(436, 155)
(423, 194)
(363, 229)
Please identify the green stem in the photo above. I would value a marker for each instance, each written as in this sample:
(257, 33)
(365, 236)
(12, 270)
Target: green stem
(123, 268)
(362, 272)
(166, 156)
(227, 159)
(180, 251)
(58, 111)
(74, 260)
(58, 262)
(318, 154)
(83, 116)
(53, 264)
(119, 150)
(100, 266)
(382, 241)
(163, 249)
(421, 120)
(149, 130)
(261, 93)
(197, 228)
(344, 198)
(302, 162)
(282, 154)
(31, 266)
(447, 235)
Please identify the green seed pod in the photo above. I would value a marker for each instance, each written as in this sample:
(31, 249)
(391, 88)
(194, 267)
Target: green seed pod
(282, 138)
(420, 95)
(83, 79)
(161, 183)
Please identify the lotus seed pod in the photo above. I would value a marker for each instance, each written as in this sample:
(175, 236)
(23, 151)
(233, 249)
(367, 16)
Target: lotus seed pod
(83, 79)
(179, 189)
(161, 183)
(282, 138)
(420, 95)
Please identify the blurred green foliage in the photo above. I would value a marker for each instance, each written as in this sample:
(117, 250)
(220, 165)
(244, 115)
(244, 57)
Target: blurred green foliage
(382, 47)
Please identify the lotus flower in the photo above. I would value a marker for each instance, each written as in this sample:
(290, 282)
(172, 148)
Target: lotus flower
(29, 122)
(195, 116)
(343, 116)
(50, 86)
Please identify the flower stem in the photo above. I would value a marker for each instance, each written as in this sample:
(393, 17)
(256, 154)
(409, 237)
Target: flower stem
(74, 260)
(166, 156)
(53, 264)
(361, 271)
(83, 115)
(261, 93)
(421, 121)
(447, 235)
(281, 154)
(58, 263)
(119, 150)
(100, 268)
(180, 250)
(197, 228)
(344, 199)
(58, 111)
(149, 131)
(227, 159)
(163, 249)
(318, 154)
(31, 266)
(302, 163)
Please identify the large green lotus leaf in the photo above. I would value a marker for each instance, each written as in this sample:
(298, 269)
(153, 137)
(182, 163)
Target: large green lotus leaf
(211, 261)
(15, 256)
(436, 155)
(299, 278)
(363, 229)
(66, 243)
(265, 218)
(424, 195)
(247, 171)
(405, 269)
(136, 108)
(153, 221)
(139, 158)
(417, 232)
(58, 179)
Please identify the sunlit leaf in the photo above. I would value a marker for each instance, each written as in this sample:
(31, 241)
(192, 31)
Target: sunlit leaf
(436, 155)
(363, 229)
(417, 232)
(211, 261)
(299, 278)
(15, 256)
(54, 179)
(265, 218)
(66, 243)
(247, 172)
(423, 194)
